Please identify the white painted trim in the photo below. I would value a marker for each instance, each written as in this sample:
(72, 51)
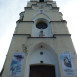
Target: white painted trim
(47, 31)
(38, 12)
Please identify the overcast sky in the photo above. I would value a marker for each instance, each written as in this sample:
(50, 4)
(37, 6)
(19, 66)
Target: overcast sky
(9, 14)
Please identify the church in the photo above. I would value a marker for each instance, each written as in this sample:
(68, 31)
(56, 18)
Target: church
(41, 45)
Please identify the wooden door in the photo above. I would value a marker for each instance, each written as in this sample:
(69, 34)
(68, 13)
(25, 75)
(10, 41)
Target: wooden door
(42, 71)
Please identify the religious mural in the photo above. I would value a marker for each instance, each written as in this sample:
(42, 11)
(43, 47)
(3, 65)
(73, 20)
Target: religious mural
(16, 64)
(67, 64)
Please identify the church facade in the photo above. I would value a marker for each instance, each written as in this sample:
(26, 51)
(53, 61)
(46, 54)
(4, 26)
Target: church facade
(41, 45)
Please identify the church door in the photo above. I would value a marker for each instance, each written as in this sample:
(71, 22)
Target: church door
(42, 71)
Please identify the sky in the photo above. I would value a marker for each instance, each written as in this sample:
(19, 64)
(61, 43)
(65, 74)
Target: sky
(9, 14)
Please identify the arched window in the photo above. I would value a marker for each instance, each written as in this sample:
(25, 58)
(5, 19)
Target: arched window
(41, 28)
(41, 25)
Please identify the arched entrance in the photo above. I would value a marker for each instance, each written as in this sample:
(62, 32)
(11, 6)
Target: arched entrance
(42, 56)
(42, 71)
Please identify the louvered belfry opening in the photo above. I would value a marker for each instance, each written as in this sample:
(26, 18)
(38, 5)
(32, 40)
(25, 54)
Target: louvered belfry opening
(41, 0)
(42, 71)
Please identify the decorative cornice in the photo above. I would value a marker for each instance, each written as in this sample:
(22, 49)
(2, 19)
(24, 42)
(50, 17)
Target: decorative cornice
(41, 2)
(23, 21)
(59, 21)
(28, 7)
(54, 35)
(33, 21)
(33, 1)
(61, 35)
(21, 12)
(41, 37)
(55, 8)
(22, 35)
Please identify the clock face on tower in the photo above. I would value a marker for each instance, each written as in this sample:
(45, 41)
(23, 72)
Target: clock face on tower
(41, 25)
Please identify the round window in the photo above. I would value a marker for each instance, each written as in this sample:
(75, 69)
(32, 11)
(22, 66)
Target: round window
(41, 25)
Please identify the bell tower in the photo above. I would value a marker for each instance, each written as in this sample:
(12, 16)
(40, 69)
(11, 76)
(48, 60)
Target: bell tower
(41, 45)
